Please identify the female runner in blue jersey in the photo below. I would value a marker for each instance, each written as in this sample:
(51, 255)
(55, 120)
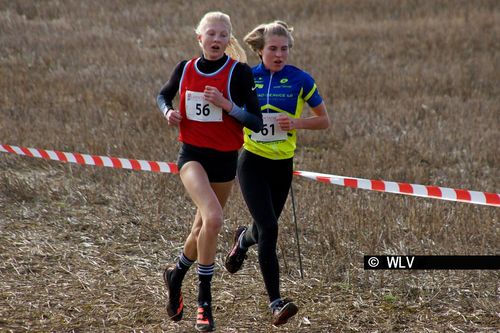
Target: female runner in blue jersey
(213, 90)
(266, 164)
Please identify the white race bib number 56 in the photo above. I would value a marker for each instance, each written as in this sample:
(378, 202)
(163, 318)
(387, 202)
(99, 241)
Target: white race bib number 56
(198, 109)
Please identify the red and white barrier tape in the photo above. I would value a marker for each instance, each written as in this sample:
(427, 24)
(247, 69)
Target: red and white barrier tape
(110, 162)
(436, 192)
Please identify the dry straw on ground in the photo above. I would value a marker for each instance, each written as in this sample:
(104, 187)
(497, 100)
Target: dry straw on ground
(412, 90)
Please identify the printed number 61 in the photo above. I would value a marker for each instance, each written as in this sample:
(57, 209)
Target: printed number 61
(265, 131)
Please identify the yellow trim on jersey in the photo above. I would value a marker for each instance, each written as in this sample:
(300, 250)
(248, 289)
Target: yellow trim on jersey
(271, 107)
(310, 93)
(300, 104)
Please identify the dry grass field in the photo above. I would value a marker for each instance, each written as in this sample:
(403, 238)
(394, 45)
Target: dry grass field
(413, 91)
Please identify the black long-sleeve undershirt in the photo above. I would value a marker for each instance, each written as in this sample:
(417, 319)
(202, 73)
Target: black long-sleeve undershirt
(241, 89)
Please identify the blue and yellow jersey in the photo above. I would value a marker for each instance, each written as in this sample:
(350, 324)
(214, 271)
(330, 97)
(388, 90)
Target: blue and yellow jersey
(285, 92)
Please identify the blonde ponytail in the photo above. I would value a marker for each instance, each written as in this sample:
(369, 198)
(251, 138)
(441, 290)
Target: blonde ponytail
(235, 51)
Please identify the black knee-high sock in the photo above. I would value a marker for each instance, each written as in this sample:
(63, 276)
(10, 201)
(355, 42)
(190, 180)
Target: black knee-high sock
(205, 274)
(181, 269)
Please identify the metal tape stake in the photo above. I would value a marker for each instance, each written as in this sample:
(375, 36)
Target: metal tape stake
(296, 231)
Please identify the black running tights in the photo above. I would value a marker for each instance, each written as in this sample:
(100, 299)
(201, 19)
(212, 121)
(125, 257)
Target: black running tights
(265, 184)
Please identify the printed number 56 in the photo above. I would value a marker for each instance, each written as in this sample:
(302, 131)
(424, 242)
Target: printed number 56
(205, 110)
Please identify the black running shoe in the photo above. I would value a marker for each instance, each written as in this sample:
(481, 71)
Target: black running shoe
(284, 311)
(175, 306)
(235, 258)
(205, 320)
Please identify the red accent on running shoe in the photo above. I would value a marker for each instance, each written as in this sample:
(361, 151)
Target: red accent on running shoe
(200, 317)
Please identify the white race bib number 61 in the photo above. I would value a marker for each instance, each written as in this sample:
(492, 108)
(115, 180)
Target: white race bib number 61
(271, 130)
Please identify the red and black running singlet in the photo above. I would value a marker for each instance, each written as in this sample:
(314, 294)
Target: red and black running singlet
(204, 124)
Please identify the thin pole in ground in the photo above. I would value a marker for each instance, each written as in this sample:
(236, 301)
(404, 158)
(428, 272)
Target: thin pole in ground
(296, 231)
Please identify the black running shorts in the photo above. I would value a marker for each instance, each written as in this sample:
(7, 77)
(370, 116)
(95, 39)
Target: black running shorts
(220, 166)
